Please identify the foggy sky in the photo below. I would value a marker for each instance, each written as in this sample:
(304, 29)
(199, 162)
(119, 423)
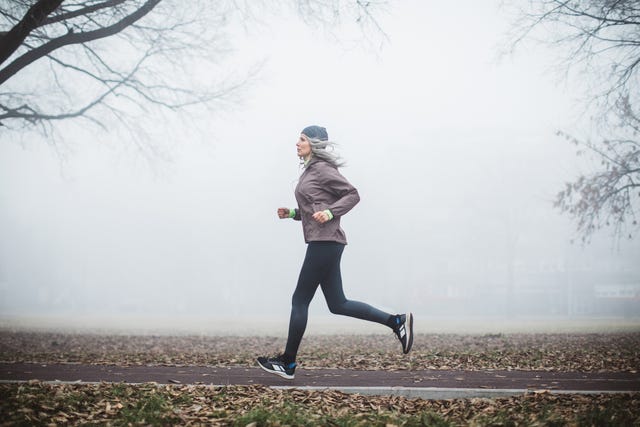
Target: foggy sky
(452, 149)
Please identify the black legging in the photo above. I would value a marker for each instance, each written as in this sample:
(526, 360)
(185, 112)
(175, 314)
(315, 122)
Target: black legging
(322, 267)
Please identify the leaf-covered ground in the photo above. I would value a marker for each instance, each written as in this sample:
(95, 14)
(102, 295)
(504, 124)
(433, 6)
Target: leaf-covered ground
(553, 352)
(38, 403)
(149, 404)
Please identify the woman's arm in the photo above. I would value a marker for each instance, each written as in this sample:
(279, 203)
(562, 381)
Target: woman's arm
(289, 213)
(338, 185)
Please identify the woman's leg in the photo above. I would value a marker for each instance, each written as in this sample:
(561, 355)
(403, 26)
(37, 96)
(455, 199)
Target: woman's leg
(310, 276)
(334, 294)
(321, 266)
(401, 324)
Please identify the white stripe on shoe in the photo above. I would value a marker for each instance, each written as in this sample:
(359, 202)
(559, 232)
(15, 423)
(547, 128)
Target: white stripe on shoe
(402, 331)
(280, 371)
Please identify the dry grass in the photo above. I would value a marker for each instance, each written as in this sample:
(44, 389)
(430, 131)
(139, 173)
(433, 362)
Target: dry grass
(149, 404)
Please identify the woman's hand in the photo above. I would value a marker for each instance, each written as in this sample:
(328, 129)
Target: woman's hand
(321, 217)
(283, 213)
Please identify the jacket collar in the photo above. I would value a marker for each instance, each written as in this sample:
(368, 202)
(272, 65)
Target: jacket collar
(311, 161)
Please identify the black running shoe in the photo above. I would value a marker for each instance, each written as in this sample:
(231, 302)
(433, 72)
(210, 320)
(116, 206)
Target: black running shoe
(404, 331)
(277, 366)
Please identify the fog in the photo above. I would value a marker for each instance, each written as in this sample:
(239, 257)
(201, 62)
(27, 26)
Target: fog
(452, 148)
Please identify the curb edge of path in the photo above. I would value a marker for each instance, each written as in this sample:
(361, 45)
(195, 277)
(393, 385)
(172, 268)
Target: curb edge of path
(444, 393)
(426, 393)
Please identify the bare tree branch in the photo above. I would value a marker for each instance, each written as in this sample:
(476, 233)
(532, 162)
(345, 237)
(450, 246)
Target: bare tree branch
(34, 17)
(105, 60)
(85, 11)
(31, 115)
(74, 38)
(603, 38)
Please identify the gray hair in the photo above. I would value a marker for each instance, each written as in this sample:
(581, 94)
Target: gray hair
(325, 150)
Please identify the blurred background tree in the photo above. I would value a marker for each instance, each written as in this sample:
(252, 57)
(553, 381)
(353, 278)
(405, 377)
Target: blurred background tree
(600, 45)
(99, 60)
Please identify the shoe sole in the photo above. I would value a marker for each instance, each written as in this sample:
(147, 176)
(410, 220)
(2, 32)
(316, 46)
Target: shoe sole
(409, 334)
(280, 374)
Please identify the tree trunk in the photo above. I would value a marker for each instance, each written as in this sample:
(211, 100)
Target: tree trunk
(36, 14)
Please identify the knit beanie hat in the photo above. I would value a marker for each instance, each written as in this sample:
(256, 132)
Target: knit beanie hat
(316, 132)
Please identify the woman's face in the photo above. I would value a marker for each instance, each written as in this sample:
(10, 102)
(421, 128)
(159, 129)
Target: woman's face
(303, 146)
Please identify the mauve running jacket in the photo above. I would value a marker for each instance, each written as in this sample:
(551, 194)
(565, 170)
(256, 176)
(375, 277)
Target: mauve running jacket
(322, 187)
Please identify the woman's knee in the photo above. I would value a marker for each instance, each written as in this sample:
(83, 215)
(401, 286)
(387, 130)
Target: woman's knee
(337, 307)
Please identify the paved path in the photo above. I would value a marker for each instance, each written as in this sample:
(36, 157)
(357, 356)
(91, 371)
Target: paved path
(424, 383)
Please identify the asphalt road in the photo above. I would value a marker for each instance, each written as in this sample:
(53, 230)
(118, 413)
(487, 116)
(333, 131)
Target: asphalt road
(423, 383)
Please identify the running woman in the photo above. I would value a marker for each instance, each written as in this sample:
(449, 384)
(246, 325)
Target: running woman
(323, 197)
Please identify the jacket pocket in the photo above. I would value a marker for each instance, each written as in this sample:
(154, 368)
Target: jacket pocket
(317, 207)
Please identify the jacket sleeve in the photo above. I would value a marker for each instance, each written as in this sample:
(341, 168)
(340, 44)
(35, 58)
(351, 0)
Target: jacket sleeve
(297, 216)
(347, 195)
